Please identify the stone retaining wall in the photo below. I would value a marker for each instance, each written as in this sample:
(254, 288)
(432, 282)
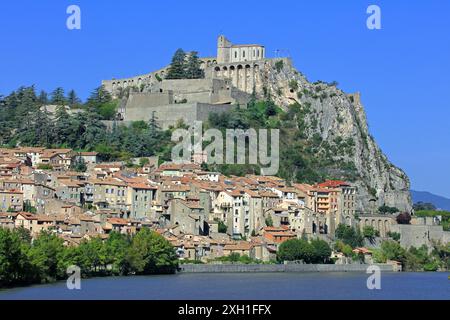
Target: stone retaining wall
(237, 268)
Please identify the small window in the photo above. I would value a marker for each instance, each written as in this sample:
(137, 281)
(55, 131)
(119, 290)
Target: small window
(243, 54)
(235, 54)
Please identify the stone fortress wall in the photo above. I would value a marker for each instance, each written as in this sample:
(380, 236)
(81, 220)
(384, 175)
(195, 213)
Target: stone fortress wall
(421, 231)
(230, 79)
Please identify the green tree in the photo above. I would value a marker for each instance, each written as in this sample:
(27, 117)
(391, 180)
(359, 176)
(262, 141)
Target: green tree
(177, 69)
(15, 267)
(79, 165)
(43, 98)
(193, 70)
(442, 252)
(23, 234)
(386, 209)
(391, 250)
(58, 97)
(322, 251)
(370, 233)
(92, 257)
(349, 235)
(45, 252)
(420, 206)
(344, 248)
(143, 162)
(150, 253)
(72, 99)
(35, 130)
(27, 207)
(394, 235)
(64, 127)
(98, 97)
(108, 110)
(222, 227)
(117, 246)
(269, 221)
(295, 250)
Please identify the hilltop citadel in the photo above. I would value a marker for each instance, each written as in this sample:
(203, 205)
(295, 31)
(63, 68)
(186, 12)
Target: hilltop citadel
(230, 79)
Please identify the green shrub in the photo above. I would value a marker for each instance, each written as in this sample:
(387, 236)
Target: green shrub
(279, 65)
(394, 235)
(44, 166)
(293, 85)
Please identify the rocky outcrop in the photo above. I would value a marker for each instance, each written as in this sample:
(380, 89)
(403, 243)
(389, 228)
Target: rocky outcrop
(337, 116)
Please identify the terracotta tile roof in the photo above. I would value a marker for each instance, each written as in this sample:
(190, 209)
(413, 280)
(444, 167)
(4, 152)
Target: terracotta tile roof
(142, 186)
(175, 188)
(238, 246)
(118, 221)
(110, 182)
(275, 229)
(268, 194)
(11, 191)
(44, 218)
(333, 184)
(27, 215)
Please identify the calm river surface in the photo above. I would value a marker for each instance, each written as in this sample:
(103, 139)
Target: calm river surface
(252, 286)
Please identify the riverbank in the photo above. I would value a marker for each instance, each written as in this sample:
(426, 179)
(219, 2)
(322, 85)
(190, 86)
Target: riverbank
(290, 268)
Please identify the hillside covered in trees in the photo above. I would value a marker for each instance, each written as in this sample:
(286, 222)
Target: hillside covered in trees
(25, 122)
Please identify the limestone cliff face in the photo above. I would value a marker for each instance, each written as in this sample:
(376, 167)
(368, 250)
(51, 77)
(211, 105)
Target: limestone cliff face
(337, 115)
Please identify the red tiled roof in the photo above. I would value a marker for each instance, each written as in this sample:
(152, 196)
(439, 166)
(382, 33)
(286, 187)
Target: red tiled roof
(333, 184)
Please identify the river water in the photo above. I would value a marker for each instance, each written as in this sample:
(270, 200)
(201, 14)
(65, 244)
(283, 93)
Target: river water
(251, 286)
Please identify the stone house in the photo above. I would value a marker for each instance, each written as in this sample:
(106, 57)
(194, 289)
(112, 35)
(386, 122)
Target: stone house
(27, 221)
(111, 194)
(242, 248)
(11, 199)
(188, 215)
(141, 196)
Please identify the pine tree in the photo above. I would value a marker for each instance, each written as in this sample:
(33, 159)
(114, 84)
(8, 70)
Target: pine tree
(63, 128)
(43, 98)
(58, 97)
(177, 69)
(36, 129)
(98, 97)
(193, 70)
(73, 99)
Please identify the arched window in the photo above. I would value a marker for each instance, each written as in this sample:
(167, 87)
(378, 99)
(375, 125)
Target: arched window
(235, 54)
(243, 54)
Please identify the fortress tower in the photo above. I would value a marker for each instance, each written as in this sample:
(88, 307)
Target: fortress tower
(227, 52)
(223, 50)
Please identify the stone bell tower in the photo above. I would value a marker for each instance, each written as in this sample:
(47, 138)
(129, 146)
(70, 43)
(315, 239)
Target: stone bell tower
(223, 50)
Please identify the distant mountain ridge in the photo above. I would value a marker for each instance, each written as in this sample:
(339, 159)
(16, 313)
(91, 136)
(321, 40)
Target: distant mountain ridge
(424, 196)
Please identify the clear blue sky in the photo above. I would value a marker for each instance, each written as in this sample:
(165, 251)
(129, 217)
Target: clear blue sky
(402, 71)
